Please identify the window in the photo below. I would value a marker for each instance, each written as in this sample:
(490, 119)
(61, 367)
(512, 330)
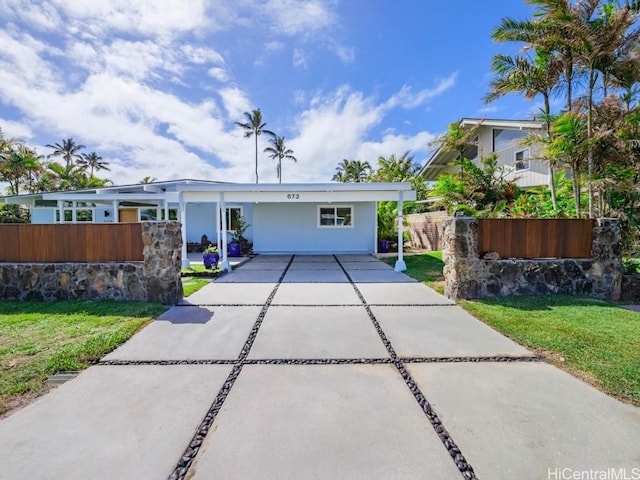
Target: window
(233, 216)
(522, 160)
(76, 214)
(173, 214)
(148, 214)
(503, 139)
(335, 216)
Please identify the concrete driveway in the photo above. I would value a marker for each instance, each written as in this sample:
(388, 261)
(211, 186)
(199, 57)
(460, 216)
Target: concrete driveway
(320, 367)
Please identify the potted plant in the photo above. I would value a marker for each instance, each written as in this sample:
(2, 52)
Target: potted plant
(237, 237)
(210, 256)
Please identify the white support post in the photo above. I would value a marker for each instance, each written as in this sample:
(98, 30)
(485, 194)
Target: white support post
(166, 210)
(375, 232)
(400, 265)
(116, 213)
(218, 228)
(183, 229)
(225, 265)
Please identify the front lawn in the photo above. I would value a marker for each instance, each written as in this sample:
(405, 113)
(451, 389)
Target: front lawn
(426, 268)
(593, 339)
(40, 339)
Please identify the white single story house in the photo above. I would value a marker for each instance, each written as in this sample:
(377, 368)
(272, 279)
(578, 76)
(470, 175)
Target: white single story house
(304, 218)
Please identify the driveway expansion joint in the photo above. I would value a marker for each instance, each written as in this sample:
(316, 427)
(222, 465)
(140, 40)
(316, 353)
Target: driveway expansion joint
(186, 460)
(458, 458)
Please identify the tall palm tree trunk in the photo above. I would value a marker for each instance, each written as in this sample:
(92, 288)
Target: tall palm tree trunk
(590, 160)
(552, 183)
(256, 135)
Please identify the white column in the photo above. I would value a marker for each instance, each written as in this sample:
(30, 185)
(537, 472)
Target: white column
(375, 232)
(166, 210)
(218, 228)
(183, 228)
(400, 265)
(116, 216)
(225, 265)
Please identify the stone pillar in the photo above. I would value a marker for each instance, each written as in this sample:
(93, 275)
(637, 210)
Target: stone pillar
(463, 268)
(162, 254)
(606, 250)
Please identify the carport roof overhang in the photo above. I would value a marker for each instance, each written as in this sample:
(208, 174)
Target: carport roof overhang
(267, 193)
(300, 192)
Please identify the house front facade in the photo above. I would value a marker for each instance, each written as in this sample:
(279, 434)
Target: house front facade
(505, 138)
(283, 218)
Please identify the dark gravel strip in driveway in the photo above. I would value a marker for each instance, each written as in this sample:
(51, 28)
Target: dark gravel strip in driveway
(465, 468)
(182, 468)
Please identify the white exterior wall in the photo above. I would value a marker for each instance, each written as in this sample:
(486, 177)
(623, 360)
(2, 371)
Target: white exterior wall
(536, 174)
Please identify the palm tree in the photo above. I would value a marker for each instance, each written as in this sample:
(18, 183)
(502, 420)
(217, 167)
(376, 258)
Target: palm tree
(18, 165)
(342, 172)
(360, 171)
(68, 150)
(550, 32)
(254, 125)
(94, 162)
(532, 77)
(568, 144)
(279, 151)
(392, 169)
(146, 180)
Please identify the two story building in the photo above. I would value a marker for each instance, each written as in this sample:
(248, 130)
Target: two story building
(504, 138)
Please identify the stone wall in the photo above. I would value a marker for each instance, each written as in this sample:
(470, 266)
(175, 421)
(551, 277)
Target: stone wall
(426, 229)
(469, 276)
(156, 279)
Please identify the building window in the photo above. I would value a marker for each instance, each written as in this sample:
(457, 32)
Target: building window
(77, 214)
(148, 214)
(335, 216)
(233, 218)
(503, 138)
(173, 214)
(522, 160)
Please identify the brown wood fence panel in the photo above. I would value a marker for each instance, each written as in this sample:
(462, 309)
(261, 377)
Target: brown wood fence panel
(111, 242)
(536, 238)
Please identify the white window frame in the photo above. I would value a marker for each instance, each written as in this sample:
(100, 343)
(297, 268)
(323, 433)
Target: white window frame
(228, 216)
(528, 160)
(335, 216)
(73, 208)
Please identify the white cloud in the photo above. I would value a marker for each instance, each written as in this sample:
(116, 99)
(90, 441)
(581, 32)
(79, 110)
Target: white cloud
(201, 55)
(336, 126)
(406, 98)
(347, 55)
(13, 129)
(218, 73)
(137, 17)
(292, 17)
(235, 101)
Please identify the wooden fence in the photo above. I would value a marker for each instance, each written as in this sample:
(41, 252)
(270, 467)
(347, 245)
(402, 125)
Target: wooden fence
(536, 238)
(108, 242)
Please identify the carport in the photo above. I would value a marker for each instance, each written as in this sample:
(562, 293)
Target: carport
(322, 218)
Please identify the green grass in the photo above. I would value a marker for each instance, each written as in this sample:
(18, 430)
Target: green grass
(426, 268)
(199, 268)
(193, 284)
(40, 339)
(593, 339)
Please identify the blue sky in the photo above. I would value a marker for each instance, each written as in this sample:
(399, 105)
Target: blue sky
(155, 86)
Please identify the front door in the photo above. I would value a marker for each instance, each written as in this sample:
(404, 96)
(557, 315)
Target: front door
(128, 215)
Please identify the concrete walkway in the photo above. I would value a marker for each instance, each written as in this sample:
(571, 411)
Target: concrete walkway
(320, 367)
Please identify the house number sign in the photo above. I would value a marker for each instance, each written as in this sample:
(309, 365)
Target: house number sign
(293, 196)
